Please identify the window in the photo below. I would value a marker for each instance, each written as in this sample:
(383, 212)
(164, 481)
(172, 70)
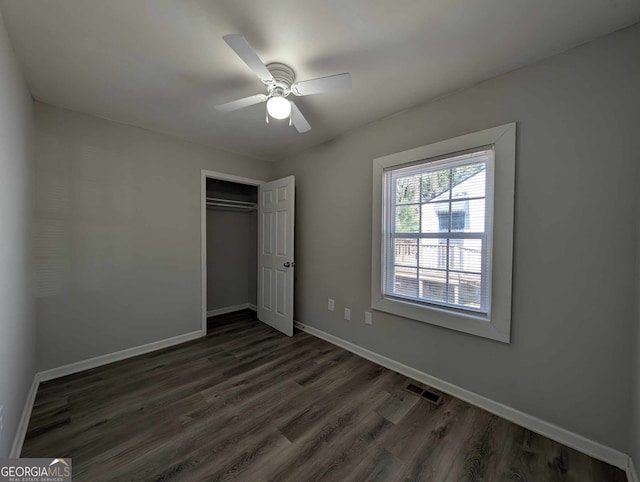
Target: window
(458, 220)
(443, 233)
(437, 234)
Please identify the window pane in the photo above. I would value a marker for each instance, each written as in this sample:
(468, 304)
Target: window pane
(435, 217)
(408, 190)
(438, 218)
(458, 216)
(435, 185)
(407, 220)
(433, 285)
(433, 253)
(406, 282)
(469, 181)
(465, 255)
(465, 289)
(406, 252)
(468, 216)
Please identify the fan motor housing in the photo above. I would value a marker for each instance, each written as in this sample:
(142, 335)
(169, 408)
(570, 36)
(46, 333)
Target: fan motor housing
(283, 75)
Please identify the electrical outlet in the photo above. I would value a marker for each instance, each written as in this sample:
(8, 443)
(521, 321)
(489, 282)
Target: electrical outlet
(331, 305)
(347, 314)
(367, 318)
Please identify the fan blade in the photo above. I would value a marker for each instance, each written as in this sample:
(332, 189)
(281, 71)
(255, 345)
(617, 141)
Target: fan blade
(241, 103)
(298, 120)
(241, 47)
(333, 83)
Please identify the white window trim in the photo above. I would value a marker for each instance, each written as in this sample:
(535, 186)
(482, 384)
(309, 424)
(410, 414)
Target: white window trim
(497, 325)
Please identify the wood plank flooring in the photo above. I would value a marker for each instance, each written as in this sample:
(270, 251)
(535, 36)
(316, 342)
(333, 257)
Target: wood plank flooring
(247, 403)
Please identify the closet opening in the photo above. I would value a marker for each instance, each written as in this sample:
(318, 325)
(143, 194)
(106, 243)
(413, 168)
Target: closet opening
(248, 231)
(230, 234)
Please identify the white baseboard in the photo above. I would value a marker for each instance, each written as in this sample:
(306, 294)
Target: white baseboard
(21, 432)
(117, 356)
(632, 475)
(253, 307)
(549, 430)
(229, 309)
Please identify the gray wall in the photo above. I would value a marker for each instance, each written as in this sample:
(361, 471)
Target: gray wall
(635, 385)
(231, 258)
(636, 408)
(570, 360)
(117, 251)
(17, 333)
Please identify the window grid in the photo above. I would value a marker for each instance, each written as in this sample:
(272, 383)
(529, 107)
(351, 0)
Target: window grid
(452, 295)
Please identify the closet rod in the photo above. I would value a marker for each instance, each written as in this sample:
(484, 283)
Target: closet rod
(231, 201)
(231, 206)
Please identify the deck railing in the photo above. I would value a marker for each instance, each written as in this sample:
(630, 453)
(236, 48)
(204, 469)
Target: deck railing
(435, 256)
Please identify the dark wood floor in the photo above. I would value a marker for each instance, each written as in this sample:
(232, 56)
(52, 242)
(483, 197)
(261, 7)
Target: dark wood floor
(247, 403)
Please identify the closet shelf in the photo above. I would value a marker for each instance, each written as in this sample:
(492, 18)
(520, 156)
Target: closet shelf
(213, 202)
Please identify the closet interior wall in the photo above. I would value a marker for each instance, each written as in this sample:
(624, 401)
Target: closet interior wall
(231, 247)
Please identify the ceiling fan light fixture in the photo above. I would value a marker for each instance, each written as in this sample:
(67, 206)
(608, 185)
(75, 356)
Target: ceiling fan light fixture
(280, 81)
(278, 107)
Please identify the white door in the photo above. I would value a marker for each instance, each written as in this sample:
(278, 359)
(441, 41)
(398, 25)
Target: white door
(275, 253)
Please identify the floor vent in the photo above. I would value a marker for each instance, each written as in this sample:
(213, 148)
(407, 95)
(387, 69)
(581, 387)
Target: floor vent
(428, 393)
(413, 388)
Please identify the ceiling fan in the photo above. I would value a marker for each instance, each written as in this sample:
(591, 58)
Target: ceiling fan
(280, 82)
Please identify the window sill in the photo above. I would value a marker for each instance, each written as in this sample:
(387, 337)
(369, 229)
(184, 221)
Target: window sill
(477, 325)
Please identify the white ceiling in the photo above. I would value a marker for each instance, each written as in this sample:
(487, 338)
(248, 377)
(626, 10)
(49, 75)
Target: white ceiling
(162, 64)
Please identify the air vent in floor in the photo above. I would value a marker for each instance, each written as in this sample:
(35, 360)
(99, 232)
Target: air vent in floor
(425, 392)
(414, 389)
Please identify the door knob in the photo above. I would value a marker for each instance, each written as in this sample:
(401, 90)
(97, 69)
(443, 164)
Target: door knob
(289, 265)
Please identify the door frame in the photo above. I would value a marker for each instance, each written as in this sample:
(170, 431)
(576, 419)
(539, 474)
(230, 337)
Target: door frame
(221, 176)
